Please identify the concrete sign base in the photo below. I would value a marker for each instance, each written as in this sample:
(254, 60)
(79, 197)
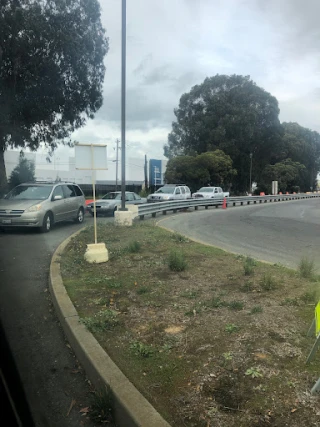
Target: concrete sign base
(123, 218)
(96, 253)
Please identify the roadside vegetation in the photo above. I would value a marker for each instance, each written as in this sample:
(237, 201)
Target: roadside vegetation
(209, 338)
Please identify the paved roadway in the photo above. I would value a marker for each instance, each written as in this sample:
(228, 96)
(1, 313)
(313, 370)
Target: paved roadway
(277, 232)
(47, 366)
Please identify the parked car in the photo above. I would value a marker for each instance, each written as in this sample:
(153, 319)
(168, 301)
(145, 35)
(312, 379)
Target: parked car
(211, 193)
(110, 202)
(41, 205)
(170, 192)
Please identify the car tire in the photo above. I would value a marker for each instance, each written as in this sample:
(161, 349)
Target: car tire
(80, 216)
(47, 223)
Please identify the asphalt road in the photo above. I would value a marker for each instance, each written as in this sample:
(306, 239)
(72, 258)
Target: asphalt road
(49, 371)
(277, 232)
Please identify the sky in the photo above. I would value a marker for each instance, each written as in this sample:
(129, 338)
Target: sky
(173, 45)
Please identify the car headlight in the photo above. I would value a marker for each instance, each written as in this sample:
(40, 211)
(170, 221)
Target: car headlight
(166, 197)
(35, 208)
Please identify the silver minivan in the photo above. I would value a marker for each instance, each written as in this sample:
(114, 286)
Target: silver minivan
(41, 205)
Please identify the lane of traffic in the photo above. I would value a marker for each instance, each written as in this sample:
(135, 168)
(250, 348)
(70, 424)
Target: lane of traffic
(50, 374)
(278, 232)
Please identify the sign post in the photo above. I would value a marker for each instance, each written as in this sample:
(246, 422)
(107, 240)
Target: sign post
(93, 157)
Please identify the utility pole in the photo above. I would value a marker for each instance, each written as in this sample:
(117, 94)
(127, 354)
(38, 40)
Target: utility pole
(250, 191)
(117, 161)
(145, 172)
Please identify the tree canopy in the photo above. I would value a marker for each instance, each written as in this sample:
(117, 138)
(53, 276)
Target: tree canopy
(23, 172)
(51, 70)
(211, 168)
(286, 172)
(233, 114)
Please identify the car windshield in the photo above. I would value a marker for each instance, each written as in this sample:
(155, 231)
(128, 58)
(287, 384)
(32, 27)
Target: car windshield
(166, 190)
(29, 192)
(205, 190)
(112, 196)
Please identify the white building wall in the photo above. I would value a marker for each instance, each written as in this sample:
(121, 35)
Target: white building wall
(63, 167)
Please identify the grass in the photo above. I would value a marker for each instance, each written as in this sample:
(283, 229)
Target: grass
(194, 340)
(102, 407)
(101, 321)
(256, 309)
(306, 268)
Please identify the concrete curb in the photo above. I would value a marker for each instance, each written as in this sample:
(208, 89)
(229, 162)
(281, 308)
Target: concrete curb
(131, 408)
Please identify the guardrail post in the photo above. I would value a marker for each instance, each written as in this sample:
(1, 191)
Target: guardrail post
(164, 212)
(141, 217)
(206, 206)
(196, 208)
(234, 203)
(241, 203)
(154, 215)
(175, 210)
(217, 206)
(260, 201)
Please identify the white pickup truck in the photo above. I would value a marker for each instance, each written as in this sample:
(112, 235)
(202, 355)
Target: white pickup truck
(211, 193)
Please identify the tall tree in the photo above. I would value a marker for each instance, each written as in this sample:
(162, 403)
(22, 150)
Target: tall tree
(230, 113)
(287, 172)
(214, 168)
(51, 71)
(23, 172)
(302, 145)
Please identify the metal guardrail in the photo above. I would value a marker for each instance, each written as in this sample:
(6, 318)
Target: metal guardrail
(175, 205)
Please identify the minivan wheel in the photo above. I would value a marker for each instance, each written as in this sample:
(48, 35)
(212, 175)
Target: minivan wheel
(80, 216)
(47, 223)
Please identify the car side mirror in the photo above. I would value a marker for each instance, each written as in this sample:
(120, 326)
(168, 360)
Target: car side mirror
(57, 197)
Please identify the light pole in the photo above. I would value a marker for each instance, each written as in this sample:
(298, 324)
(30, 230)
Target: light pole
(250, 190)
(123, 105)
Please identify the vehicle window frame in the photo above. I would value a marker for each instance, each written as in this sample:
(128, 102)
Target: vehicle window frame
(128, 197)
(177, 191)
(65, 194)
(183, 190)
(78, 190)
(136, 196)
(54, 193)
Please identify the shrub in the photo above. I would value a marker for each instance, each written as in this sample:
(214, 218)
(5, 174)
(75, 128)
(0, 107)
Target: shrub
(306, 268)
(177, 261)
(268, 283)
(134, 246)
(248, 266)
(236, 305)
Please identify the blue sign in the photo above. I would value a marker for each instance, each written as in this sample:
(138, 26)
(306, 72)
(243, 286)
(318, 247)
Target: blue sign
(155, 172)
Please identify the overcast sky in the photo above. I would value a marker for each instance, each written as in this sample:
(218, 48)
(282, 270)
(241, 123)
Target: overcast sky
(174, 44)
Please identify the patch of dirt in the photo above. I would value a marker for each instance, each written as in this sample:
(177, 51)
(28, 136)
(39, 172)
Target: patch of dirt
(208, 346)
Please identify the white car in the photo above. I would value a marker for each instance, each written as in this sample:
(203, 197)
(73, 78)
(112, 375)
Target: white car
(109, 203)
(170, 192)
(210, 193)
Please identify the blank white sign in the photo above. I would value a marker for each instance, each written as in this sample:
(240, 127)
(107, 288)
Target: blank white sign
(91, 157)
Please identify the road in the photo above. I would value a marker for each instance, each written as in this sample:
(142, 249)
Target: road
(281, 232)
(49, 371)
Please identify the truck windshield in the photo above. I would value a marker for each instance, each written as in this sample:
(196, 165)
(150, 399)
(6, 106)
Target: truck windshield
(206, 190)
(166, 190)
